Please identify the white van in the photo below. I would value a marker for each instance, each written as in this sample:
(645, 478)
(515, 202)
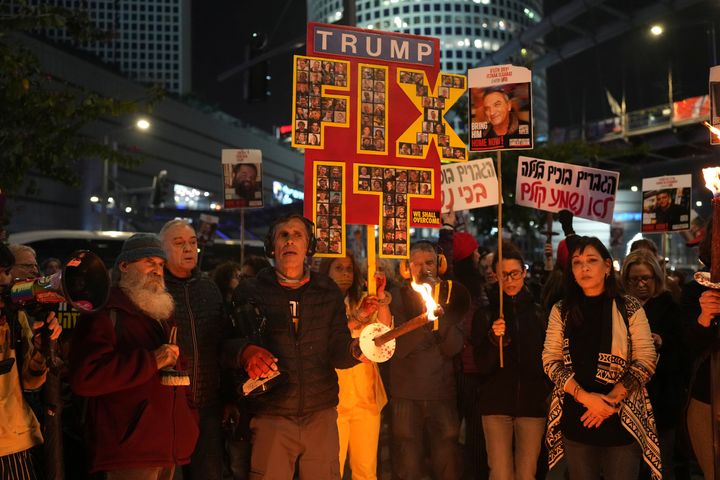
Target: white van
(106, 244)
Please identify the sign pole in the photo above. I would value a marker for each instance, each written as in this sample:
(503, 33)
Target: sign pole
(499, 251)
(371, 258)
(242, 236)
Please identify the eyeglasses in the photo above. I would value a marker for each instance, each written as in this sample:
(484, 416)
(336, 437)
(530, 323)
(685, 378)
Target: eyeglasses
(643, 278)
(513, 275)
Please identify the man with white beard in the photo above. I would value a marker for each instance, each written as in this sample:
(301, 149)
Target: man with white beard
(138, 428)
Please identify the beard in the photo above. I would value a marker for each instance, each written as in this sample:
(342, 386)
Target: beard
(148, 294)
(245, 189)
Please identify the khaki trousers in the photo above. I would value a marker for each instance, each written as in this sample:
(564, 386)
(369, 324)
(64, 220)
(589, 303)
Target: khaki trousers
(279, 443)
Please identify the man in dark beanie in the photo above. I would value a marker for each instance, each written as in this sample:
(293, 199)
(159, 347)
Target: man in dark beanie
(138, 427)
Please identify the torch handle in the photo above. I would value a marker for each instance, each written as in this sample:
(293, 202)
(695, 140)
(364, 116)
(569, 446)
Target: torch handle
(500, 352)
(715, 246)
(409, 326)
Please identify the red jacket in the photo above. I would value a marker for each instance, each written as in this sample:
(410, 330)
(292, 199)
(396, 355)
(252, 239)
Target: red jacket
(133, 421)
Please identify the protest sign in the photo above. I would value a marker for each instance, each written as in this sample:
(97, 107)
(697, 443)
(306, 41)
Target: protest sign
(369, 112)
(242, 178)
(553, 186)
(666, 203)
(468, 185)
(500, 108)
(715, 103)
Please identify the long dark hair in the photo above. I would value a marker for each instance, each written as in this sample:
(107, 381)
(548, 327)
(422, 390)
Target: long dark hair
(222, 275)
(469, 276)
(571, 306)
(356, 288)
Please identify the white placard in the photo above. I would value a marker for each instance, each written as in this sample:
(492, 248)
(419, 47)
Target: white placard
(468, 185)
(553, 186)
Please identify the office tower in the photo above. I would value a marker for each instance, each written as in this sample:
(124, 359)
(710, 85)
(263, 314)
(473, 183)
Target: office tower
(469, 30)
(149, 39)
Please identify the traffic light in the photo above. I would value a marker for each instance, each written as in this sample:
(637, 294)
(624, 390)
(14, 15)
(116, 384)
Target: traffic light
(257, 75)
(161, 189)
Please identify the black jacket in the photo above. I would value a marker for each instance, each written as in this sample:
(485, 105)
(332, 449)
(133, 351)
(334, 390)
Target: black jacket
(520, 388)
(202, 325)
(309, 357)
(701, 341)
(422, 366)
(666, 387)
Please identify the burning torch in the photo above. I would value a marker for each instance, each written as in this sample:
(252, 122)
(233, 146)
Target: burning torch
(377, 341)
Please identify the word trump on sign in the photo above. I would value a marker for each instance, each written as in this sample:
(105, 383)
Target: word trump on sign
(369, 111)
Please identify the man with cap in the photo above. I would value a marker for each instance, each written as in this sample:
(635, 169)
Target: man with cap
(138, 427)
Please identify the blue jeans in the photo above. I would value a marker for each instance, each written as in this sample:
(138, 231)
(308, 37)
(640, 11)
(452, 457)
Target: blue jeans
(499, 432)
(587, 462)
(410, 419)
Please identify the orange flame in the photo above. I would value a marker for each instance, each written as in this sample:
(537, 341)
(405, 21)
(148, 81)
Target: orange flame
(712, 179)
(714, 130)
(425, 292)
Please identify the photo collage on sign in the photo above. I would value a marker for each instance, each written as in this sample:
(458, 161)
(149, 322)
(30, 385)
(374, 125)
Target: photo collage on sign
(373, 90)
(328, 213)
(432, 115)
(394, 184)
(311, 108)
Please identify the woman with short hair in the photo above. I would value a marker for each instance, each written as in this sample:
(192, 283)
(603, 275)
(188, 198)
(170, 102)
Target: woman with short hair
(512, 399)
(644, 279)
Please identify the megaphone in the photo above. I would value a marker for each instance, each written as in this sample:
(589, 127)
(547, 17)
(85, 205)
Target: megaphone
(83, 283)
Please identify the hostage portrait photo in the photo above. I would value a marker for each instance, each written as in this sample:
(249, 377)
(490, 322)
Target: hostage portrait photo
(666, 210)
(243, 185)
(501, 117)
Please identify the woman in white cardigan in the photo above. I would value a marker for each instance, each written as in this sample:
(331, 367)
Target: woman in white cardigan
(599, 353)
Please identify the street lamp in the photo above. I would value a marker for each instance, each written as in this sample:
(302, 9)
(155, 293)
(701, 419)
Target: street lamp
(656, 30)
(142, 125)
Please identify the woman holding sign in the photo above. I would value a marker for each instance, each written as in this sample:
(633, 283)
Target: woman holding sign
(513, 399)
(362, 394)
(599, 353)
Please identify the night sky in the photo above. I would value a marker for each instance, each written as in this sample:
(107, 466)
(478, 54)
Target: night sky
(578, 84)
(222, 29)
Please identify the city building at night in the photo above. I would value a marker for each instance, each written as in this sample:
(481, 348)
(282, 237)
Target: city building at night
(150, 39)
(183, 139)
(469, 31)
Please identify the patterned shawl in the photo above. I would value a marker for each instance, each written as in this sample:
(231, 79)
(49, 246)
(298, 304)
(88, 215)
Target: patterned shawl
(630, 341)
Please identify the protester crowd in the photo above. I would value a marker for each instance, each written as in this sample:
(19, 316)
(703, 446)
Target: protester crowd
(257, 371)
